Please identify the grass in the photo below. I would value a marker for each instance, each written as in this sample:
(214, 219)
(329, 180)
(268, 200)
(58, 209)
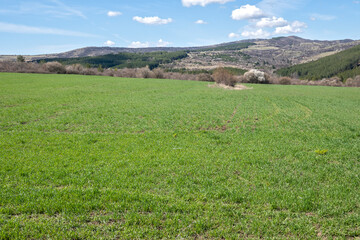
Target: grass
(89, 157)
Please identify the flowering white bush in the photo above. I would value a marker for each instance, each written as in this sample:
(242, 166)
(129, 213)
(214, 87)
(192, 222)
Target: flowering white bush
(256, 76)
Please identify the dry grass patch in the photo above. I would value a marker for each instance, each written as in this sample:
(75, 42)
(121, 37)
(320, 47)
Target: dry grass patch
(236, 87)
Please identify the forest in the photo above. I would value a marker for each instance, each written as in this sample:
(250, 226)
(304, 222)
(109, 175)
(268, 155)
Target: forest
(344, 65)
(123, 60)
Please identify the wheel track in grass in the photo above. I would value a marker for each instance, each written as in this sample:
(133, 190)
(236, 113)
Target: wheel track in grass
(277, 110)
(308, 112)
(224, 127)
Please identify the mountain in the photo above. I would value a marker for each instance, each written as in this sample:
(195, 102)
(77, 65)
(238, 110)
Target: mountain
(266, 54)
(345, 64)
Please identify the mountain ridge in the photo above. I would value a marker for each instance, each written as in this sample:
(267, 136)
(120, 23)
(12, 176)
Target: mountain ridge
(265, 54)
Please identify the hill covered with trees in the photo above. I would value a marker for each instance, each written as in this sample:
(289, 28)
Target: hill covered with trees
(344, 65)
(123, 60)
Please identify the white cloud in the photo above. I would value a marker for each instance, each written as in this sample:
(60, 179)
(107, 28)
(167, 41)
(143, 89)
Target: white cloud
(16, 28)
(295, 27)
(109, 43)
(256, 34)
(203, 3)
(139, 45)
(233, 35)
(356, 2)
(200, 22)
(113, 14)
(162, 43)
(271, 22)
(321, 17)
(247, 12)
(152, 20)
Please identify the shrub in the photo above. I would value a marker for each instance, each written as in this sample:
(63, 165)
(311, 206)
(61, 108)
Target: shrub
(204, 77)
(353, 82)
(74, 69)
(100, 68)
(256, 76)
(285, 81)
(20, 59)
(158, 73)
(332, 82)
(55, 67)
(222, 76)
(143, 72)
(108, 72)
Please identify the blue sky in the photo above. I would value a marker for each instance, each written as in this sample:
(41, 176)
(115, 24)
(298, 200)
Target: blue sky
(51, 26)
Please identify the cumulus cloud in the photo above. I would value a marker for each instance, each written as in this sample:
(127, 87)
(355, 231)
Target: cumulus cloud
(271, 22)
(113, 14)
(109, 43)
(152, 20)
(203, 3)
(200, 22)
(138, 44)
(233, 35)
(255, 34)
(247, 12)
(295, 27)
(162, 43)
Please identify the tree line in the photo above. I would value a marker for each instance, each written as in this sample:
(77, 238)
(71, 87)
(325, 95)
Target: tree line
(344, 65)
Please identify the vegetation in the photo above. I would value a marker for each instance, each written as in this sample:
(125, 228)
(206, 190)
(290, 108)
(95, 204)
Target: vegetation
(229, 47)
(256, 76)
(124, 60)
(344, 64)
(230, 57)
(20, 59)
(231, 70)
(93, 157)
(222, 76)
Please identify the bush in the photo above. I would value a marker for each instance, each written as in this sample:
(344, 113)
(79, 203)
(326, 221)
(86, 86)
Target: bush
(256, 76)
(20, 59)
(143, 73)
(158, 73)
(332, 82)
(285, 81)
(204, 77)
(100, 68)
(55, 67)
(353, 82)
(74, 69)
(222, 76)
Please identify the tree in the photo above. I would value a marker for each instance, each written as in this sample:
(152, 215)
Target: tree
(20, 59)
(222, 76)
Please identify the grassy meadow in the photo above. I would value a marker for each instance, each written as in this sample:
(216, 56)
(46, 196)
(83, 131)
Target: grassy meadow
(90, 157)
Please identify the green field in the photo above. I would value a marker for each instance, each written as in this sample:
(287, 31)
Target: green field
(90, 157)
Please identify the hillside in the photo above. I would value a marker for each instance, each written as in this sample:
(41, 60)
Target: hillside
(265, 54)
(344, 64)
(124, 60)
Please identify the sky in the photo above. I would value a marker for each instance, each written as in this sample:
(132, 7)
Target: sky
(53, 26)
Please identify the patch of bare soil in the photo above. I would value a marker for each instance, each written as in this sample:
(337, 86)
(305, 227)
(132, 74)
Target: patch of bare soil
(236, 87)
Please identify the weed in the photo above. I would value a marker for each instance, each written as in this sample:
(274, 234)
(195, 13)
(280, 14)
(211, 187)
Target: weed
(321, 152)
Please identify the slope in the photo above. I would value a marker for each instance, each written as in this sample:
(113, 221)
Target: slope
(344, 64)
